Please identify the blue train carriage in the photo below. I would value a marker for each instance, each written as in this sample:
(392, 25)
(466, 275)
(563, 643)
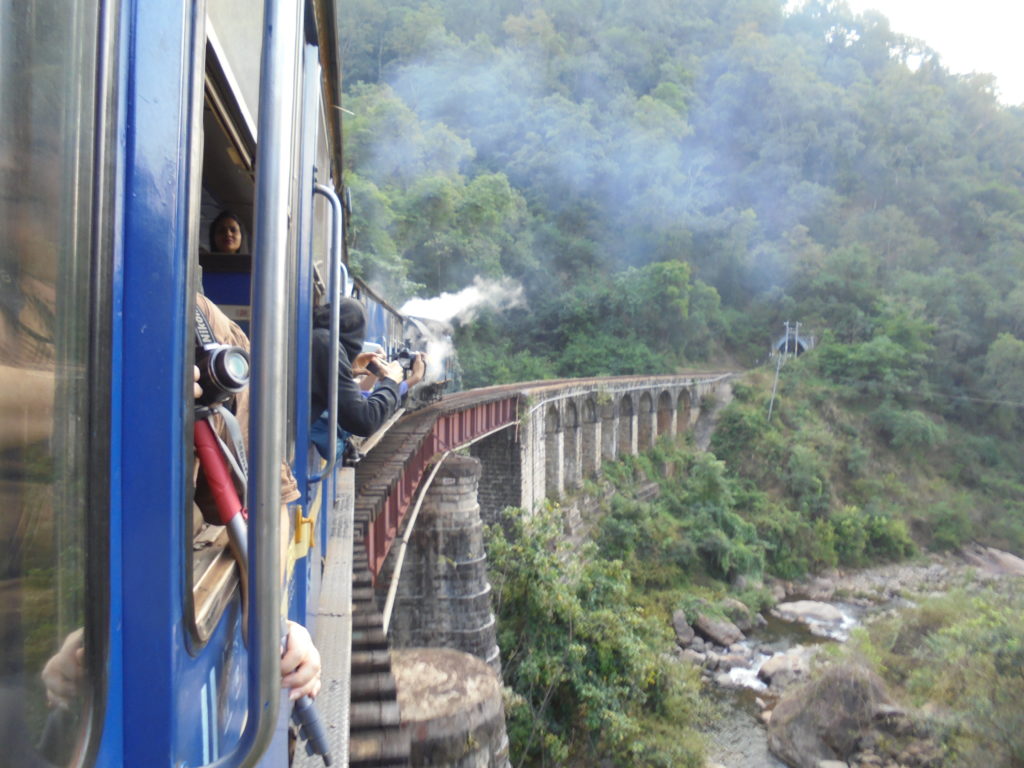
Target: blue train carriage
(127, 127)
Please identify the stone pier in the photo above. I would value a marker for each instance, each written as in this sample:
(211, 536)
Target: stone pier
(444, 597)
(451, 707)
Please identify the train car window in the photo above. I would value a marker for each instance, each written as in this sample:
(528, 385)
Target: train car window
(53, 448)
(228, 180)
(228, 184)
(228, 149)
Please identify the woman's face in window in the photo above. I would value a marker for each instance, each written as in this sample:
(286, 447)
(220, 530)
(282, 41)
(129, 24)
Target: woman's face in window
(227, 237)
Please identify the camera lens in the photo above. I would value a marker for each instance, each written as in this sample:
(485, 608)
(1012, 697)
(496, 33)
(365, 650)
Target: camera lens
(236, 366)
(230, 368)
(223, 371)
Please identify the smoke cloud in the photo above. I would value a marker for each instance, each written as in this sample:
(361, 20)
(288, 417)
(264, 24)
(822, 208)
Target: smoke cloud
(463, 307)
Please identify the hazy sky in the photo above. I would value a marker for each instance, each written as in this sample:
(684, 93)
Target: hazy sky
(970, 35)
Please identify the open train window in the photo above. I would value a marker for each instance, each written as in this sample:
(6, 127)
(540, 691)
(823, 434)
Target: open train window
(225, 105)
(227, 182)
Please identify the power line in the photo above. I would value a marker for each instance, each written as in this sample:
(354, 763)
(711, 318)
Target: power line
(932, 393)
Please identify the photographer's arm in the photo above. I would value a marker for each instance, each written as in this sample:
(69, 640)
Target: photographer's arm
(419, 368)
(361, 415)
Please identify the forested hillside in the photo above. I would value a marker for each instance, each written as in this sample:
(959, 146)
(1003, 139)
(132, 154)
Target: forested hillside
(671, 181)
(664, 184)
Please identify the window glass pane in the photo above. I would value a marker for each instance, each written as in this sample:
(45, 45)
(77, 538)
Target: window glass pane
(47, 73)
(238, 30)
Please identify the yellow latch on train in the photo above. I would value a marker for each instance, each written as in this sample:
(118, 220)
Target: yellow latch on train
(305, 533)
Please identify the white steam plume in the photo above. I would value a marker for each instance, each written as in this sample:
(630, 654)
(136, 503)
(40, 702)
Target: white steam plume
(464, 305)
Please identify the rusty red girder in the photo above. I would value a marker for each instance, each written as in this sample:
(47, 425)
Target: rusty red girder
(447, 430)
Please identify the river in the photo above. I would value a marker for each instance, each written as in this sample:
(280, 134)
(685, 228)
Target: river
(738, 739)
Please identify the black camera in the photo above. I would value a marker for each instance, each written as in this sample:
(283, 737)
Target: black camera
(406, 357)
(223, 371)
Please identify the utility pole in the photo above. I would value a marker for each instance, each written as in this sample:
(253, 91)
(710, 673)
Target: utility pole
(778, 367)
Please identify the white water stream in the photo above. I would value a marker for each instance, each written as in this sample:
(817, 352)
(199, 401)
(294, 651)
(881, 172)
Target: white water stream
(739, 739)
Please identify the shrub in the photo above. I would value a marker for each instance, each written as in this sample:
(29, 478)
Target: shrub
(964, 654)
(586, 666)
(950, 526)
(908, 430)
(851, 535)
(738, 429)
(806, 480)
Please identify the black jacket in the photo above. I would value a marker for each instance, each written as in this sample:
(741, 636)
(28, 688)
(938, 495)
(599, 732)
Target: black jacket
(357, 414)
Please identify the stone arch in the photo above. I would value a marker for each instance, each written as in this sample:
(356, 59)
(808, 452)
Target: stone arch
(571, 418)
(664, 421)
(683, 406)
(627, 426)
(553, 447)
(589, 411)
(571, 446)
(645, 422)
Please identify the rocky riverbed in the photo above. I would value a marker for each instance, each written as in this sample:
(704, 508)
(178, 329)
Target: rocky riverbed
(774, 715)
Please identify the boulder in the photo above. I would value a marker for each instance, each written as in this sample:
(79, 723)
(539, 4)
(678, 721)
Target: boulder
(684, 632)
(779, 590)
(733, 660)
(809, 611)
(784, 669)
(718, 630)
(822, 619)
(820, 588)
(738, 612)
(690, 656)
(993, 561)
(826, 718)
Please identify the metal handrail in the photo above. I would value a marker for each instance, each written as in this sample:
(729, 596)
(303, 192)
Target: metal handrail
(338, 289)
(267, 410)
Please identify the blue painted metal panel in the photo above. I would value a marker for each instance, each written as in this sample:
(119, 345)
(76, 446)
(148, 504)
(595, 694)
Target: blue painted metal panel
(178, 709)
(111, 750)
(298, 607)
(153, 375)
(230, 289)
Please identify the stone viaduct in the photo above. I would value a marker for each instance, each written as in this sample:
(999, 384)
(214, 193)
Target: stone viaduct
(417, 507)
(567, 429)
(557, 435)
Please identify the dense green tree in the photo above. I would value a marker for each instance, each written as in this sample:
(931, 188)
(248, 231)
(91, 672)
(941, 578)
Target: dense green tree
(1004, 378)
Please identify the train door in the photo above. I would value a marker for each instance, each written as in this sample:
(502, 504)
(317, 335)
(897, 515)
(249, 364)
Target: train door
(227, 198)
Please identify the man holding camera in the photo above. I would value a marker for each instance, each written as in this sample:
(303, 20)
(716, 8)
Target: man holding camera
(358, 414)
